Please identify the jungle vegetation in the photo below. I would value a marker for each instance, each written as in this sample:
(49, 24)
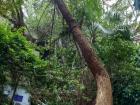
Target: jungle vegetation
(71, 52)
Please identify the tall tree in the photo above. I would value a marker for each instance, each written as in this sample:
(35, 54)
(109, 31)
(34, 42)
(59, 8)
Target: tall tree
(104, 90)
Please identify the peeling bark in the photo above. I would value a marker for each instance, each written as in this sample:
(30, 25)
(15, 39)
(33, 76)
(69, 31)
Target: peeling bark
(104, 90)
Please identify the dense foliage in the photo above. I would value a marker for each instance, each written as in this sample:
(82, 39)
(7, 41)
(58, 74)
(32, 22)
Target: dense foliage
(37, 50)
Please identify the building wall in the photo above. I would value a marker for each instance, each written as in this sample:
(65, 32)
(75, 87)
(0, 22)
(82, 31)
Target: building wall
(8, 90)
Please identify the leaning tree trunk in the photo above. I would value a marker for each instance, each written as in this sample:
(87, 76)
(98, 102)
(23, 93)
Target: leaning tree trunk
(104, 90)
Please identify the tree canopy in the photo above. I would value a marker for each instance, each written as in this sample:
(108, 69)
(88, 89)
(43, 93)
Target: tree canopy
(71, 52)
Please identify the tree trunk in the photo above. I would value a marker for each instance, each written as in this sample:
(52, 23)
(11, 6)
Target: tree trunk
(104, 90)
(14, 92)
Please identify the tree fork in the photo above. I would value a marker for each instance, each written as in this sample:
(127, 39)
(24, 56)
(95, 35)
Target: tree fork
(104, 90)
